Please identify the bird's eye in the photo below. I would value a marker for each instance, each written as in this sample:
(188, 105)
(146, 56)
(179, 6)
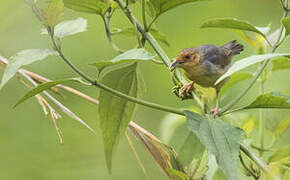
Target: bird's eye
(187, 57)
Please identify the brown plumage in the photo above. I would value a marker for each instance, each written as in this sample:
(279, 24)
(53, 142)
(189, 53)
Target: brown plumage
(205, 64)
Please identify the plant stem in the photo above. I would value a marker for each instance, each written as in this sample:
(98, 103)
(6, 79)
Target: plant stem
(144, 14)
(257, 74)
(106, 20)
(112, 91)
(259, 162)
(248, 169)
(155, 45)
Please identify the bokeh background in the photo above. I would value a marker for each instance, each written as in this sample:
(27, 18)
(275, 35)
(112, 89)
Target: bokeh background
(29, 146)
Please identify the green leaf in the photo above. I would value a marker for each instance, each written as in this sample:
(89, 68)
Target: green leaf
(235, 79)
(191, 149)
(168, 126)
(88, 6)
(281, 63)
(232, 23)
(134, 54)
(246, 62)
(282, 126)
(270, 100)
(286, 24)
(115, 113)
(53, 12)
(177, 175)
(42, 87)
(159, 36)
(161, 6)
(220, 138)
(68, 28)
(22, 58)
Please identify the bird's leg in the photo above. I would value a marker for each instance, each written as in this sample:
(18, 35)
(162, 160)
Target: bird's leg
(215, 111)
(187, 88)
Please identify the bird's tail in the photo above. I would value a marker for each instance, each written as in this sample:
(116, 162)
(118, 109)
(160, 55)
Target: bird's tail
(234, 47)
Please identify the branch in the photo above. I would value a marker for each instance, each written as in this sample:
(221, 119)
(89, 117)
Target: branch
(155, 45)
(108, 89)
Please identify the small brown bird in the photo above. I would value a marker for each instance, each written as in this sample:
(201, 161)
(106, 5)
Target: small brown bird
(205, 64)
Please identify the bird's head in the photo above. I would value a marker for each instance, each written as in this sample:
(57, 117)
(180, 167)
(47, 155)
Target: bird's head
(187, 58)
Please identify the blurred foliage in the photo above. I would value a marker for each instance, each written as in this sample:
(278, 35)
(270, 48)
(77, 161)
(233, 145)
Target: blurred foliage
(36, 154)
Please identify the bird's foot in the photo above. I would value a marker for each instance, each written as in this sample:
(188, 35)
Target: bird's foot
(187, 88)
(186, 91)
(215, 112)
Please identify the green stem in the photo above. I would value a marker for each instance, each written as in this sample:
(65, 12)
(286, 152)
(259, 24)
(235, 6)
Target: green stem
(112, 91)
(257, 74)
(144, 14)
(155, 45)
(259, 162)
(261, 120)
(108, 33)
(152, 22)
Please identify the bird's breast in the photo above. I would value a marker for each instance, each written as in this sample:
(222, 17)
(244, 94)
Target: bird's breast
(204, 74)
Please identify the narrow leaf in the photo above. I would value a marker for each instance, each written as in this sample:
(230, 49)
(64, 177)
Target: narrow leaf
(281, 63)
(231, 23)
(115, 113)
(88, 6)
(220, 138)
(67, 28)
(53, 12)
(134, 54)
(161, 6)
(161, 157)
(22, 58)
(42, 88)
(270, 100)
(246, 62)
(286, 24)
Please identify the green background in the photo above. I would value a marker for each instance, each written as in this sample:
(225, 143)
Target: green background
(29, 146)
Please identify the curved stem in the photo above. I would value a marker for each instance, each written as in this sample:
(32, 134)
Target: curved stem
(112, 91)
(155, 45)
(108, 34)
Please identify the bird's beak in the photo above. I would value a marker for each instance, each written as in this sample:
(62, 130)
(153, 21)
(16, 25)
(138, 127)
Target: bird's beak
(173, 65)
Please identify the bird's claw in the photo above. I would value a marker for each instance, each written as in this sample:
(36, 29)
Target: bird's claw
(215, 112)
(184, 93)
(187, 88)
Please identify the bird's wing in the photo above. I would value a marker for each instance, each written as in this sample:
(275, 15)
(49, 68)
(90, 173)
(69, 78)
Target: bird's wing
(218, 56)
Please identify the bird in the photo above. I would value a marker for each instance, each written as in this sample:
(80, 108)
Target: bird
(205, 64)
